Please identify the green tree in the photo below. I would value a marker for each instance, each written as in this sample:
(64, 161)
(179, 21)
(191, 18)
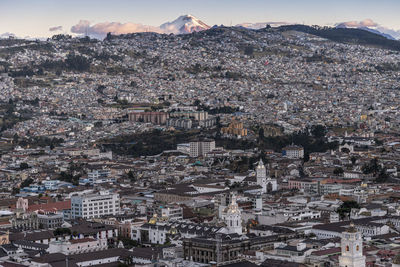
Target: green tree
(15, 138)
(26, 182)
(23, 166)
(196, 103)
(382, 176)
(345, 209)
(338, 171)
(318, 131)
(261, 133)
(372, 167)
(249, 50)
(62, 231)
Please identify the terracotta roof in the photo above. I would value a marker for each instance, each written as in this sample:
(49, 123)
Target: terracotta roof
(55, 206)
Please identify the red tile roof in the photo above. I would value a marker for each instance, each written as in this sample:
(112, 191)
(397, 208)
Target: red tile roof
(55, 206)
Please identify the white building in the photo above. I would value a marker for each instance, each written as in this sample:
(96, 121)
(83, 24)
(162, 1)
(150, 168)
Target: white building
(172, 213)
(94, 205)
(293, 152)
(352, 247)
(198, 149)
(74, 246)
(51, 184)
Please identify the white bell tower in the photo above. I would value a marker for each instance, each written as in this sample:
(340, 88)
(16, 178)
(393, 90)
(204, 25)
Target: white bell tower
(261, 173)
(265, 182)
(352, 248)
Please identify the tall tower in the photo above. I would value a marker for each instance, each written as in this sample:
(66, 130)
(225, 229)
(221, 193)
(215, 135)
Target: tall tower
(261, 173)
(352, 247)
(233, 218)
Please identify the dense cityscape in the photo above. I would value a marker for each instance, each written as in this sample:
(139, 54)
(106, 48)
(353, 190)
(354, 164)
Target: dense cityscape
(217, 146)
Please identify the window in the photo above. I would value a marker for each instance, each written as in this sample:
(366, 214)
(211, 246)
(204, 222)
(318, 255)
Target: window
(347, 248)
(358, 248)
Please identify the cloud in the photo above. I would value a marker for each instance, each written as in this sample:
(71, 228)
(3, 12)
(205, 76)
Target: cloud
(358, 24)
(101, 29)
(369, 23)
(55, 28)
(7, 35)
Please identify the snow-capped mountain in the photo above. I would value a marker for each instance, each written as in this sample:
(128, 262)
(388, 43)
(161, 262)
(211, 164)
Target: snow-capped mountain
(184, 24)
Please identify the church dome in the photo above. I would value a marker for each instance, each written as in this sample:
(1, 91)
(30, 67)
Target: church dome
(153, 219)
(233, 208)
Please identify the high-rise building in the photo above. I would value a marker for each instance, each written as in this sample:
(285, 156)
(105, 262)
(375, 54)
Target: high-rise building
(94, 205)
(352, 248)
(200, 149)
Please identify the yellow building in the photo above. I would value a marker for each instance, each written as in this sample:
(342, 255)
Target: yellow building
(235, 128)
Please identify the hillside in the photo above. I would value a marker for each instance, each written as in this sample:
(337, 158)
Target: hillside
(346, 35)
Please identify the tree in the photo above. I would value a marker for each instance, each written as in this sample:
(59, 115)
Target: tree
(378, 142)
(15, 138)
(249, 50)
(77, 62)
(318, 131)
(345, 209)
(26, 182)
(109, 36)
(23, 166)
(62, 231)
(131, 176)
(218, 122)
(261, 133)
(98, 124)
(15, 191)
(372, 167)
(382, 176)
(338, 171)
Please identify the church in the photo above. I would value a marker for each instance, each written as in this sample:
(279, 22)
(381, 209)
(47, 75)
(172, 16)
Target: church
(233, 218)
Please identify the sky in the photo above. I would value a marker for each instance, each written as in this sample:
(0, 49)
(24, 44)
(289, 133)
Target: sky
(34, 18)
